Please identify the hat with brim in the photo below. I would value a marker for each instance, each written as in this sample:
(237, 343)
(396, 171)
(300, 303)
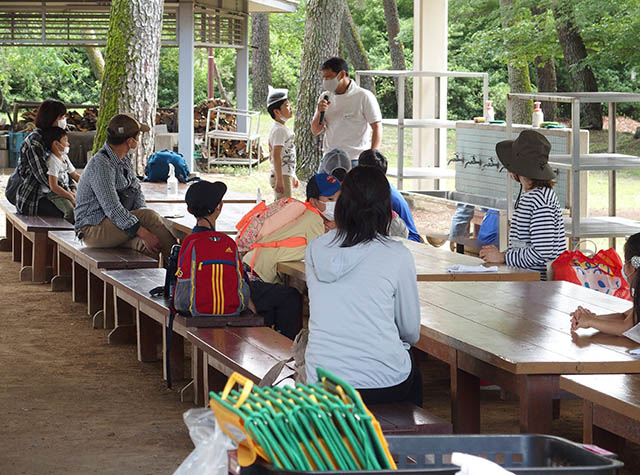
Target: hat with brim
(276, 95)
(125, 126)
(203, 197)
(527, 156)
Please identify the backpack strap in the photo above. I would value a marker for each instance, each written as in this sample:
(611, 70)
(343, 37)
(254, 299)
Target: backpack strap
(296, 241)
(312, 208)
(246, 219)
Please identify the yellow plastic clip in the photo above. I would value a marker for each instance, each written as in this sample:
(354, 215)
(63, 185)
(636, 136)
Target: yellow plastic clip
(247, 386)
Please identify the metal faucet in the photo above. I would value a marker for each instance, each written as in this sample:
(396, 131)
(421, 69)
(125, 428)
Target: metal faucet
(474, 161)
(491, 164)
(456, 159)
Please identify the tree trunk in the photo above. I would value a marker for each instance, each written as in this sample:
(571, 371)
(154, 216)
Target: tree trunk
(261, 60)
(96, 61)
(519, 80)
(575, 54)
(355, 49)
(395, 49)
(546, 81)
(130, 81)
(321, 36)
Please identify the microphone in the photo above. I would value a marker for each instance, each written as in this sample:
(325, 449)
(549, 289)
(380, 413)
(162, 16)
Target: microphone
(326, 98)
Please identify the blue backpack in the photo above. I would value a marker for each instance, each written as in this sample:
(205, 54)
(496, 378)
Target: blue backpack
(157, 168)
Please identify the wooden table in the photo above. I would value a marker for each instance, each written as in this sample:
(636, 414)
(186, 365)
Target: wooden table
(611, 407)
(431, 265)
(516, 335)
(177, 216)
(157, 193)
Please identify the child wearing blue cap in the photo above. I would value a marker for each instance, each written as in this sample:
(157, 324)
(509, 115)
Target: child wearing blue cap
(323, 191)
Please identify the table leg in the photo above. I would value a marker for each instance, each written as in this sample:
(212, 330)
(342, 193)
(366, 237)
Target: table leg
(197, 362)
(536, 403)
(465, 401)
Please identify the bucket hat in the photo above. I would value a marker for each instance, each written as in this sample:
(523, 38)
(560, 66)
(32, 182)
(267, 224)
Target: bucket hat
(527, 156)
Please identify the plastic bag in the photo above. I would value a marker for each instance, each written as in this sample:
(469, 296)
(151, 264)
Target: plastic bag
(210, 455)
(601, 272)
(473, 465)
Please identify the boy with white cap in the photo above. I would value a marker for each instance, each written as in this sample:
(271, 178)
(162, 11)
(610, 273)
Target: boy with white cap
(282, 148)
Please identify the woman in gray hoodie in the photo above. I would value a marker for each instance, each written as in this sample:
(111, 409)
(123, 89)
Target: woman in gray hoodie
(363, 297)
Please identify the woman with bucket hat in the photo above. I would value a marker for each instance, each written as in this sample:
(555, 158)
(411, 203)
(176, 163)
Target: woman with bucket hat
(537, 229)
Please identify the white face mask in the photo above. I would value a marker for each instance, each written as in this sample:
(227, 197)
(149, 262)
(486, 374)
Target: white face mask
(331, 84)
(329, 210)
(66, 150)
(62, 123)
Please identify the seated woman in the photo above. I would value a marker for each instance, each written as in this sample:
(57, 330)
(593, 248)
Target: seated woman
(537, 232)
(363, 297)
(616, 323)
(32, 169)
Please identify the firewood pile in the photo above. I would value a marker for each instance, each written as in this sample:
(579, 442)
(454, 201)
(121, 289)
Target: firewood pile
(81, 123)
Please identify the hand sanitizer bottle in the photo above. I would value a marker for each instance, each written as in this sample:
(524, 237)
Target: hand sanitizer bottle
(172, 182)
(538, 115)
(491, 114)
(258, 196)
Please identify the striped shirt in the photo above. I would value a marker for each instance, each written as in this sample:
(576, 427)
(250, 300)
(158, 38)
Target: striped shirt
(537, 231)
(97, 198)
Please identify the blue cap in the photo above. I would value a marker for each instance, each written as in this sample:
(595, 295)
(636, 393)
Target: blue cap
(322, 184)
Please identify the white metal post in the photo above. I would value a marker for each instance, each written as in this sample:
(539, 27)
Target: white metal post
(612, 173)
(400, 132)
(509, 136)
(242, 78)
(185, 81)
(575, 173)
(485, 94)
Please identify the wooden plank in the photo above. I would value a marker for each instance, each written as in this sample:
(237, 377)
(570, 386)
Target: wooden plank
(178, 217)
(157, 193)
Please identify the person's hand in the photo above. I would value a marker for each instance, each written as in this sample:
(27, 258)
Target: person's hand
(73, 201)
(490, 254)
(150, 240)
(295, 182)
(329, 225)
(323, 105)
(279, 186)
(581, 318)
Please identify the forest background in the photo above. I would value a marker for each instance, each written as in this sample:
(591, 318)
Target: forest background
(480, 39)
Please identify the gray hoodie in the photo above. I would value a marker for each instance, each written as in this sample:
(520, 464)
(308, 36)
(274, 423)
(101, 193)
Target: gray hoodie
(364, 311)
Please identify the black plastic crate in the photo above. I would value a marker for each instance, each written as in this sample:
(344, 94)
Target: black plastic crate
(526, 453)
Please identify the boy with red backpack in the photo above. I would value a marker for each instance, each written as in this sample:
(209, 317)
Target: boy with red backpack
(211, 280)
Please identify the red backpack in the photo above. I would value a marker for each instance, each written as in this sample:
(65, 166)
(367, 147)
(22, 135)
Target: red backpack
(209, 277)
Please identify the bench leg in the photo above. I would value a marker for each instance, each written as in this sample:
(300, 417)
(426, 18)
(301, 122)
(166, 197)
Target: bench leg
(6, 244)
(16, 245)
(125, 328)
(597, 421)
(61, 282)
(176, 353)
(95, 298)
(26, 271)
(40, 257)
(147, 337)
(78, 283)
(197, 364)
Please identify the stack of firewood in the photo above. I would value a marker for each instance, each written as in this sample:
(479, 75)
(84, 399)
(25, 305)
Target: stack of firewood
(83, 123)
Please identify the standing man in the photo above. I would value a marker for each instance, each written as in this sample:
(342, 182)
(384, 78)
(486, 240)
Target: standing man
(110, 207)
(352, 118)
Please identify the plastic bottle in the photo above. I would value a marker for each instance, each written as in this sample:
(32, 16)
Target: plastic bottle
(258, 196)
(538, 115)
(172, 182)
(491, 113)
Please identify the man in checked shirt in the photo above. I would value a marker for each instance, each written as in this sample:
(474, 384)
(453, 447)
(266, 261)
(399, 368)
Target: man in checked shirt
(109, 202)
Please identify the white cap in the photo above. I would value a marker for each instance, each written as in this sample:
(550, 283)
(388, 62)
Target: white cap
(276, 95)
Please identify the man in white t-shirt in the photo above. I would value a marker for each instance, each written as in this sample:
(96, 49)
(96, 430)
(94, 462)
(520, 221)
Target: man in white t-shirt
(352, 118)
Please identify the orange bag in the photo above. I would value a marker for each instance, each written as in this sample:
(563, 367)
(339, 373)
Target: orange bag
(602, 272)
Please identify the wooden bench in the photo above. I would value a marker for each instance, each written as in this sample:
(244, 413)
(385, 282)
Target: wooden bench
(611, 407)
(79, 268)
(253, 351)
(27, 239)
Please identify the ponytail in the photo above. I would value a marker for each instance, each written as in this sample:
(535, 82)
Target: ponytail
(632, 254)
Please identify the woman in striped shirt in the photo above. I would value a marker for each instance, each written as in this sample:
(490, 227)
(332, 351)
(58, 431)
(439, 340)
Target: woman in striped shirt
(537, 230)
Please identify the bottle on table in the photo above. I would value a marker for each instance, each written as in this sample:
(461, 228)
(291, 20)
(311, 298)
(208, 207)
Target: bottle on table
(538, 115)
(172, 182)
(490, 112)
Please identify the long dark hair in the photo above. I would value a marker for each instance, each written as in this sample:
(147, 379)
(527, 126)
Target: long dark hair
(631, 249)
(363, 210)
(48, 112)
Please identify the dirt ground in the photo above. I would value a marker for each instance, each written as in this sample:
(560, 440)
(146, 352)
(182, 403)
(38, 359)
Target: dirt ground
(71, 403)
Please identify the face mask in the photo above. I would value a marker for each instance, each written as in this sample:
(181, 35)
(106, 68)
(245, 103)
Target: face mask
(66, 150)
(329, 210)
(331, 84)
(626, 277)
(62, 123)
